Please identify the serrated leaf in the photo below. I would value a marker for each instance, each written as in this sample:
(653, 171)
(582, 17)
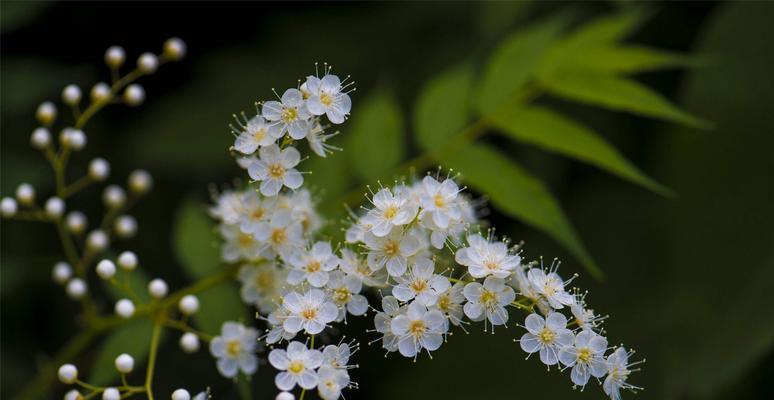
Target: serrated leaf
(375, 142)
(632, 59)
(132, 338)
(442, 109)
(619, 94)
(514, 62)
(518, 193)
(554, 132)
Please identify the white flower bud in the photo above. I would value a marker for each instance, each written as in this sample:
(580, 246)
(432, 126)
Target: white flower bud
(73, 395)
(68, 374)
(147, 63)
(189, 304)
(181, 394)
(106, 269)
(114, 196)
(99, 169)
(115, 56)
(76, 222)
(61, 272)
(46, 113)
(189, 342)
(111, 394)
(76, 288)
(127, 261)
(157, 288)
(73, 138)
(71, 95)
(25, 193)
(41, 138)
(125, 226)
(124, 363)
(124, 309)
(8, 207)
(174, 49)
(285, 396)
(140, 181)
(100, 92)
(134, 95)
(54, 207)
(97, 240)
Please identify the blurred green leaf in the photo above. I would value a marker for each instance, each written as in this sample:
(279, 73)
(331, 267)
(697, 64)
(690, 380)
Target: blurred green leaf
(617, 93)
(554, 132)
(632, 59)
(442, 109)
(514, 62)
(606, 29)
(137, 281)
(132, 338)
(328, 179)
(15, 14)
(518, 193)
(375, 142)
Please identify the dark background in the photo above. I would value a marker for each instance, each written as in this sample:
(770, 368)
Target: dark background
(689, 279)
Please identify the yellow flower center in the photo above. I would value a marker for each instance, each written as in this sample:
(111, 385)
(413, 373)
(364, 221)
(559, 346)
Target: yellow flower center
(259, 134)
(391, 248)
(296, 367)
(417, 328)
(584, 355)
(444, 302)
(491, 265)
(488, 298)
(313, 266)
(276, 171)
(245, 239)
(546, 336)
(258, 213)
(289, 114)
(278, 236)
(438, 200)
(233, 348)
(264, 280)
(390, 212)
(418, 285)
(309, 314)
(341, 295)
(326, 99)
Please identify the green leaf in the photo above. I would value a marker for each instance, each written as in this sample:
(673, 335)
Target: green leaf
(516, 192)
(514, 62)
(554, 132)
(218, 305)
(375, 143)
(132, 338)
(632, 59)
(442, 109)
(606, 29)
(617, 93)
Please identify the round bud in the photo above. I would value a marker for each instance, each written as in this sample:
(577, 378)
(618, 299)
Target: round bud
(73, 138)
(97, 240)
(25, 193)
(46, 113)
(55, 207)
(157, 288)
(125, 226)
(114, 196)
(189, 304)
(181, 394)
(100, 92)
(61, 272)
(76, 222)
(76, 288)
(111, 394)
(174, 49)
(140, 181)
(285, 396)
(41, 138)
(124, 363)
(127, 261)
(73, 395)
(71, 95)
(99, 169)
(67, 374)
(189, 342)
(115, 56)
(106, 269)
(134, 95)
(8, 207)
(147, 63)
(124, 309)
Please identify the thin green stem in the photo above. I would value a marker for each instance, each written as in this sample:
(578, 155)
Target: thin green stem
(77, 186)
(154, 348)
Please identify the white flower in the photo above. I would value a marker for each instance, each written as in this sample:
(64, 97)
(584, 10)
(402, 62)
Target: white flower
(317, 140)
(239, 245)
(488, 300)
(261, 285)
(450, 303)
(297, 364)
(485, 258)
(331, 382)
(337, 356)
(313, 265)
(235, 349)
(346, 294)
(254, 134)
(548, 336)
(357, 267)
(586, 357)
(392, 250)
(291, 115)
(418, 329)
(618, 370)
(584, 317)
(356, 232)
(390, 210)
(551, 287)
(228, 207)
(280, 235)
(277, 332)
(310, 312)
(421, 284)
(439, 200)
(383, 321)
(302, 208)
(254, 210)
(274, 169)
(326, 98)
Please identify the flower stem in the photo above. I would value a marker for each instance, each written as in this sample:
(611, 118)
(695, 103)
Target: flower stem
(154, 348)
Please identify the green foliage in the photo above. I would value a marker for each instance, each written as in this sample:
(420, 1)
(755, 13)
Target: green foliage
(196, 247)
(375, 139)
(442, 109)
(132, 338)
(136, 281)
